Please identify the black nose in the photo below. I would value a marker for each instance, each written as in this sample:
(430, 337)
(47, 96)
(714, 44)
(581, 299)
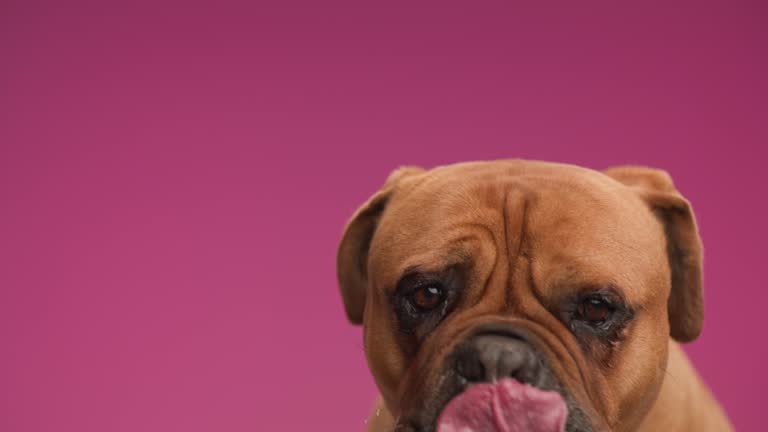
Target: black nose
(491, 357)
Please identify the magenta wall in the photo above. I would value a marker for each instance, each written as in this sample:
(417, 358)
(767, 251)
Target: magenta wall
(174, 179)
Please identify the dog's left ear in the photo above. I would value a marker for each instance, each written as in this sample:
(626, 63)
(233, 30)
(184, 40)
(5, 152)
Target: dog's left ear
(655, 187)
(352, 257)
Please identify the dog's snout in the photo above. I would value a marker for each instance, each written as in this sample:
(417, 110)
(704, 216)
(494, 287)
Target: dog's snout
(489, 358)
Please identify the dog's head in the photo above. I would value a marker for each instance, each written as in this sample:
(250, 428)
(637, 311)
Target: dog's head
(566, 279)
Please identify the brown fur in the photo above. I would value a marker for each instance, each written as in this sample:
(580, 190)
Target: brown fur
(529, 233)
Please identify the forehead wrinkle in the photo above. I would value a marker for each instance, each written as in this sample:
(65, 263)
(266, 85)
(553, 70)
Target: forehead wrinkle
(519, 197)
(572, 269)
(462, 244)
(434, 224)
(600, 240)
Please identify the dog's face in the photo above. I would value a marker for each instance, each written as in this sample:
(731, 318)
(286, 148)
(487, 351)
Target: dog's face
(560, 277)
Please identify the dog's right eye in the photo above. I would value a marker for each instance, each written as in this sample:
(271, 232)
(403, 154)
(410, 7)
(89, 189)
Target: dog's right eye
(422, 300)
(427, 298)
(421, 306)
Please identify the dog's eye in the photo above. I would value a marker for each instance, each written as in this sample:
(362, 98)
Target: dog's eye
(594, 310)
(599, 315)
(427, 297)
(422, 300)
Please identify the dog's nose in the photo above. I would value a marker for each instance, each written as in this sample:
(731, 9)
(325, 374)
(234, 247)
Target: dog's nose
(489, 358)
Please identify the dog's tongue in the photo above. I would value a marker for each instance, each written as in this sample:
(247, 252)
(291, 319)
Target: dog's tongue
(506, 406)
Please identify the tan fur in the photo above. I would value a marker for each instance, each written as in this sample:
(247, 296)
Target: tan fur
(531, 233)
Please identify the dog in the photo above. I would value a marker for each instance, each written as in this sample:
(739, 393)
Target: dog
(522, 295)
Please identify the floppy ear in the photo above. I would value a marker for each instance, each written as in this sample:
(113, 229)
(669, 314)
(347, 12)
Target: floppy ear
(352, 257)
(686, 307)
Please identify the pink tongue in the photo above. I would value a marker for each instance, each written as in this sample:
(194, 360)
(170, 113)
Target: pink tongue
(507, 406)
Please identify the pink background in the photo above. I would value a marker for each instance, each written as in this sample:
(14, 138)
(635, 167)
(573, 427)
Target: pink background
(174, 178)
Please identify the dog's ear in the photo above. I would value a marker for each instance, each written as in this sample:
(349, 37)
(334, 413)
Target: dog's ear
(352, 257)
(686, 308)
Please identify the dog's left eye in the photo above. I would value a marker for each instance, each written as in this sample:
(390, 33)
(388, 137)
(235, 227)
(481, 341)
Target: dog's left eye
(427, 298)
(594, 310)
(601, 313)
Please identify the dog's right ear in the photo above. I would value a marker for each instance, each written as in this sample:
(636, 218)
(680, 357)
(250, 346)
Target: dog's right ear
(352, 257)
